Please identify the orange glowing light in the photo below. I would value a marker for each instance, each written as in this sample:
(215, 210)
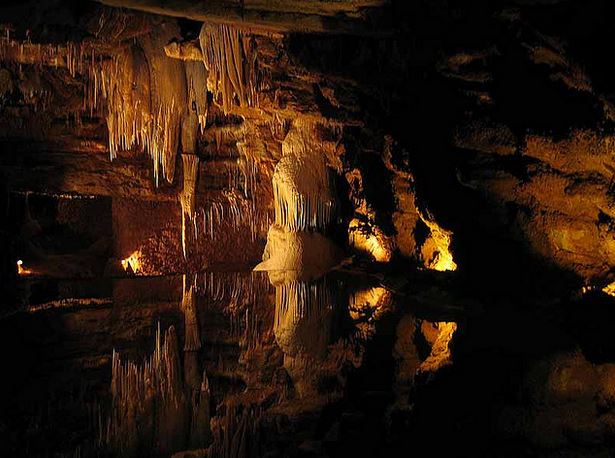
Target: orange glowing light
(133, 262)
(21, 270)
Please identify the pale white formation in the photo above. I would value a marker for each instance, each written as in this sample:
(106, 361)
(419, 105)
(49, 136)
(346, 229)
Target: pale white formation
(303, 186)
(294, 255)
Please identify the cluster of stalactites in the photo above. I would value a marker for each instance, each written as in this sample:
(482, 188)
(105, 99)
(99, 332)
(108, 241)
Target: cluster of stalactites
(134, 118)
(187, 197)
(75, 57)
(234, 211)
(301, 212)
(303, 185)
(230, 59)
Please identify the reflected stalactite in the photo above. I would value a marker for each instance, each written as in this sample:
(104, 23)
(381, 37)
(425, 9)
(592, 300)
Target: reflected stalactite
(238, 433)
(153, 411)
(303, 329)
(233, 289)
(192, 340)
(301, 305)
(422, 348)
(148, 407)
(367, 306)
(200, 430)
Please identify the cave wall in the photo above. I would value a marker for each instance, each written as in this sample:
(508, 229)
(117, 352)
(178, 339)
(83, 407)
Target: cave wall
(485, 145)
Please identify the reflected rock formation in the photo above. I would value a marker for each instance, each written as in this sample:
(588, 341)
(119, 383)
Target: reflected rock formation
(304, 318)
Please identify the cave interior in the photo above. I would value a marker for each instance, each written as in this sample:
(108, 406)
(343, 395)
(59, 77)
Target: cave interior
(421, 193)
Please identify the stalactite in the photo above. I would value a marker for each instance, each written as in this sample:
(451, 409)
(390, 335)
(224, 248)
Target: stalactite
(187, 197)
(197, 91)
(230, 59)
(234, 211)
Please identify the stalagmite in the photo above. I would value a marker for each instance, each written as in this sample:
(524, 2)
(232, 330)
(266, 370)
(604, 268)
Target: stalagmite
(230, 59)
(304, 207)
(298, 255)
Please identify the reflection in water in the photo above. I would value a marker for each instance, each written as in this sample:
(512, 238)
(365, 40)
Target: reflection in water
(439, 335)
(303, 328)
(148, 406)
(231, 352)
(192, 341)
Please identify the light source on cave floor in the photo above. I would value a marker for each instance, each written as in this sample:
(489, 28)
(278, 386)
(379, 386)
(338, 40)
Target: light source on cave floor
(132, 264)
(609, 289)
(21, 270)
